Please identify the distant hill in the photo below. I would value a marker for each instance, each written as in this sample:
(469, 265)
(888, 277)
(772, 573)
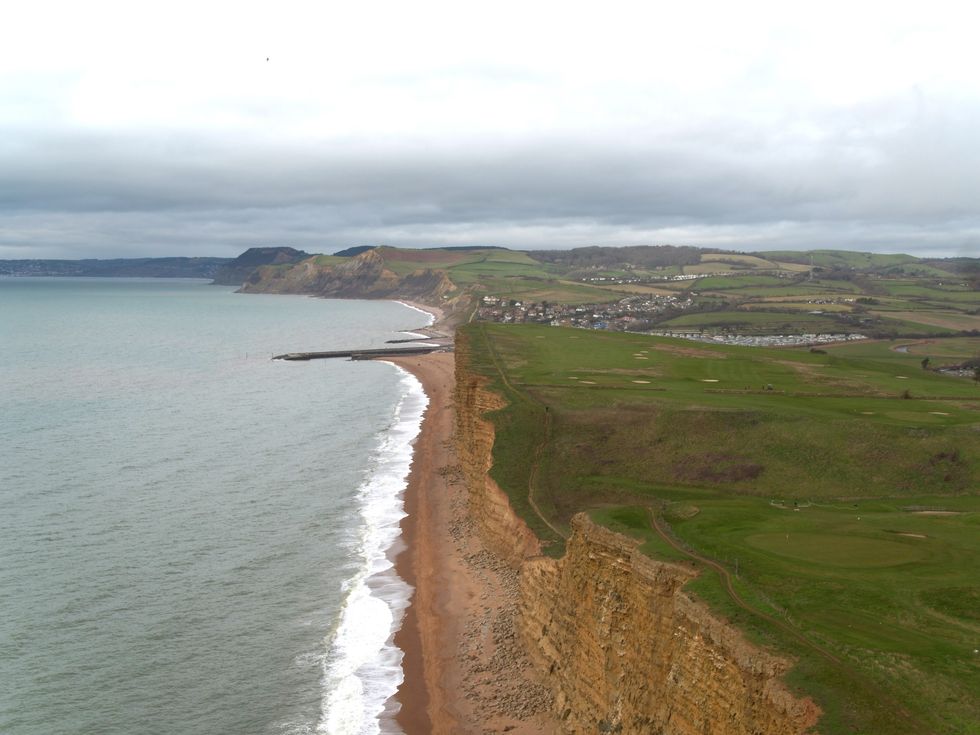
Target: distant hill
(116, 267)
(237, 271)
(356, 250)
(644, 256)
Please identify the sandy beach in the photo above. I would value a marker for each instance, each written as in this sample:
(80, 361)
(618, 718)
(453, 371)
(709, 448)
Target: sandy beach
(465, 671)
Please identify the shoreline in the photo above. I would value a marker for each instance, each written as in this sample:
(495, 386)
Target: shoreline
(438, 330)
(422, 694)
(465, 669)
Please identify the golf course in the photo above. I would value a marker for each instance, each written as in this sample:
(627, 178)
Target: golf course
(830, 498)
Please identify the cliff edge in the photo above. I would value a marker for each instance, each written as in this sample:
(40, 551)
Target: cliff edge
(609, 630)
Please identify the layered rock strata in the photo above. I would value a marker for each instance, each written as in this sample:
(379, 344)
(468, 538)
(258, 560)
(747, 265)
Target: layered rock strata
(502, 531)
(625, 650)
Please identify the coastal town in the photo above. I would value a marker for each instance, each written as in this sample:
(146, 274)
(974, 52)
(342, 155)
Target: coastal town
(638, 314)
(633, 313)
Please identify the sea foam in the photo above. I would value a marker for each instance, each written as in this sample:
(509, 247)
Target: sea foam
(363, 670)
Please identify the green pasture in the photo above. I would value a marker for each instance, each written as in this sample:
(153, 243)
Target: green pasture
(900, 323)
(496, 264)
(840, 258)
(936, 321)
(727, 283)
(909, 353)
(750, 261)
(329, 259)
(757, 322)
(921, 289)
(920, 270)
(803, 289)
(617, 291)
(892, 303)
(403, 260)
(841, 485)
(796, 306)
(533, 289)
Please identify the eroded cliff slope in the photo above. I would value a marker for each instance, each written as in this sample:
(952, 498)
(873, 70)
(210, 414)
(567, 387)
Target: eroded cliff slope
(610, 631)
(626, 650)
(363, 277)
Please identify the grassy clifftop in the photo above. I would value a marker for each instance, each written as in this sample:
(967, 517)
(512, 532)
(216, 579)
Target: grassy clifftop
(837, 490)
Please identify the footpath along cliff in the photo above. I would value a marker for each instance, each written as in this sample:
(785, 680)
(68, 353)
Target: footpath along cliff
(610, 631)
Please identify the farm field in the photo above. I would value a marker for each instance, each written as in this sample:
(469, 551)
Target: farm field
(761, 293)
(838, 489)
(946, 320)
(757, 322)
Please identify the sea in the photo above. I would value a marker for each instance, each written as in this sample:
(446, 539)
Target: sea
(196, 539)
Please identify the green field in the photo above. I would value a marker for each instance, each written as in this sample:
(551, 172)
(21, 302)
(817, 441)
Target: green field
(840, 485)
(841, 258)
(901, 295)
(504, 273)
(757, 322)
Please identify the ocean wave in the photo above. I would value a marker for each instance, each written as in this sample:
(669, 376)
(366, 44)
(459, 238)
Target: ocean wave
(362, 669)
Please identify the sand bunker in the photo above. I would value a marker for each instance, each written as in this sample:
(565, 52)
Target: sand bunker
(641, 381)
(708, 380)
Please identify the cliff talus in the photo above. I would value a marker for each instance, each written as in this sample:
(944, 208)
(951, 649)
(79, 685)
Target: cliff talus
(609, 630)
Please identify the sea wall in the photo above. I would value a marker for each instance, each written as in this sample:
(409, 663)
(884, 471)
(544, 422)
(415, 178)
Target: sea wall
(610, 630)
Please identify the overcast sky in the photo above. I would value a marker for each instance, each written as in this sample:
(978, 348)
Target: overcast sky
(204, 128)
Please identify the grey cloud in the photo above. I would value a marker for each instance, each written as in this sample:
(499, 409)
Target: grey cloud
(905, 185)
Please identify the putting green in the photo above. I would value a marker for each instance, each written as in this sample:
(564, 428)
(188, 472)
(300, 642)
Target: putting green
(836, 550)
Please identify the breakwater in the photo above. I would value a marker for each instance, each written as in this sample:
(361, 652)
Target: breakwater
(370, 354)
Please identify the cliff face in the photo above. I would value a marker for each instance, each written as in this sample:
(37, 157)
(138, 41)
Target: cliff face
(363, 277)
(625, 650)
(502, 531)
(610, 630)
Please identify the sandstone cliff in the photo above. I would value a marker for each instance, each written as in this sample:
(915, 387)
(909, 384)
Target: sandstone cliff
(625, 650)
(611, 631)
(362, 277)
(502, 530)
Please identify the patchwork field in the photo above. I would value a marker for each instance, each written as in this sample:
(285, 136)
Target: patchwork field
(836, 490)
(871, 294)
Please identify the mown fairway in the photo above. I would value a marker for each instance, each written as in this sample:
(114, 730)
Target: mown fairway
(837, 491)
